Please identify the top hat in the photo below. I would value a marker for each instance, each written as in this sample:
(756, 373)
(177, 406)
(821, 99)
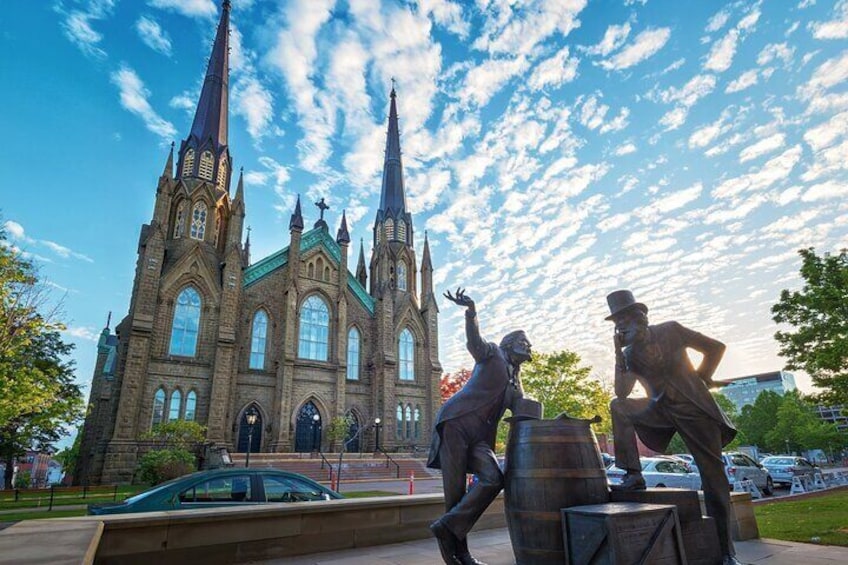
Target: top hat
(525, 409)
(621, 300)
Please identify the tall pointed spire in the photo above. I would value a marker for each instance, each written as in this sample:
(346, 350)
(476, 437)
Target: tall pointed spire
(210, 119)
(296, 221)
(168, 172)
(361, 273)
(240, 187)
(343, 236)
(426, 262)
(204, 154)
(393, 196)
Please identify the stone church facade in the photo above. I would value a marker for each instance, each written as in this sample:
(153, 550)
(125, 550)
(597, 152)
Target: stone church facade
(295, 338)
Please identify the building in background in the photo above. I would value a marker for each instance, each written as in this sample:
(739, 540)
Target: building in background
(295, 339)
(745, 390)
(834, 415)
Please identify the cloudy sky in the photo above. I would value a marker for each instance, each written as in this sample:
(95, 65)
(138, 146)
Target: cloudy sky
(554, 150)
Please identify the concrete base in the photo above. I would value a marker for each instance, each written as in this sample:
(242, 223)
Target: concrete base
(50, 541)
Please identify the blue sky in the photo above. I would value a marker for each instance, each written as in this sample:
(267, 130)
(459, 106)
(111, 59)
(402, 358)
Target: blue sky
(555, 151)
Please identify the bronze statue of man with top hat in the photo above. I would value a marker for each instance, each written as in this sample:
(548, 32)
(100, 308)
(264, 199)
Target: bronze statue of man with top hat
(465, 429)
(678, 400)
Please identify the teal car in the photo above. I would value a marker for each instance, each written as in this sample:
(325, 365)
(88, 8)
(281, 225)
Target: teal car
(221, 488)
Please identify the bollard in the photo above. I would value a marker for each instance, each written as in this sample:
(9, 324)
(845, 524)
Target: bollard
(797, 486)
(411, 482)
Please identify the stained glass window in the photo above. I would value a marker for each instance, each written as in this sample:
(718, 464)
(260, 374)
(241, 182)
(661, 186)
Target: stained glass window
(158, 407)
(186, 323)
(314, 329)
(406, 356)
(257, 340)
(176, 404)
(198, 221)
(191, 406)
(353, 354)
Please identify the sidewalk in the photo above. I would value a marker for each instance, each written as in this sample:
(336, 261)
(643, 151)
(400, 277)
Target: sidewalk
(493, 548)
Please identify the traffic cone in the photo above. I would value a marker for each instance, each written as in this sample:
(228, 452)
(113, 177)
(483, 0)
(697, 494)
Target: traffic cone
(411, 482)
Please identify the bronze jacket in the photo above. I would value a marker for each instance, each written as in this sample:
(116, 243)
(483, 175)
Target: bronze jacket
(664, 365)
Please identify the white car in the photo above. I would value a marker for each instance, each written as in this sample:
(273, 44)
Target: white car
(660, 472)
(740, 467)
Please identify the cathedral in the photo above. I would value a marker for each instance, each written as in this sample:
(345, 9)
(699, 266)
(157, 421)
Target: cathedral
(294, 340)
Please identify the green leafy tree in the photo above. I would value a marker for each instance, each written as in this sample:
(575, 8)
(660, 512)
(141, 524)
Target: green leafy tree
(176, 444)
(43, 361)
(337, 431)
(69, 456)
(797, 427)
(677, 445)
(756, 419)
(562, 384)
(23, 480)
(818, 314)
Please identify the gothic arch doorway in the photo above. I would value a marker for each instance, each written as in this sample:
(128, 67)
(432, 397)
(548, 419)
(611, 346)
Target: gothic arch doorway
(352, 431)
(244, 435)
(307, 435)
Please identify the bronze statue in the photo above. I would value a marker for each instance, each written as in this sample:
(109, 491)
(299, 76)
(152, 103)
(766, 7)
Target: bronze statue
(678, 400)
(465, 430)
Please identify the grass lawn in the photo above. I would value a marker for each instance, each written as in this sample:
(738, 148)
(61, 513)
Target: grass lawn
(824, 517)
(35, 498)
(367, 493)
(17, 516)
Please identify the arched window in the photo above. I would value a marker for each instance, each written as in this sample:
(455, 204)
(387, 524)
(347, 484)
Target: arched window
(353, 354)
(217, 227)
(191, 407)
(408, 419)
(188, 163)
(186, 323)
(258, 334)
(319, 268)
(310, 271)
(206, 166)
(314, 329)
(406, 356)
(390, 229)
(327, 274)
(179, 222)
(401, 275)
(222, 174)
(176, 404)
(198, 221)
(417, 422)
(399, 426)
(158, 407)
(401, 231)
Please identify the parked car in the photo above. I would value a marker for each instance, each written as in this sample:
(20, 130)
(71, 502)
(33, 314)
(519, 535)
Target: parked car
(608, 460)
(740, 467)
(660, 472)
(689, 460)
(783, 467)
(221, 488)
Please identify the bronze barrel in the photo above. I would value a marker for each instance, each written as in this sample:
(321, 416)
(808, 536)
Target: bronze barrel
(550, 465)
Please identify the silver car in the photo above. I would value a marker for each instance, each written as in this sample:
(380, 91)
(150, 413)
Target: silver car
(660, 472)
(783, 467)
(739, 467)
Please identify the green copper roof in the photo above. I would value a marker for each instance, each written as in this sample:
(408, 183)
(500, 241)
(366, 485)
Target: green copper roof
(312, 238)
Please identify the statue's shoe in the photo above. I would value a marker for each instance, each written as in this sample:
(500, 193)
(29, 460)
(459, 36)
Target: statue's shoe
(631, 481)
(447, 542)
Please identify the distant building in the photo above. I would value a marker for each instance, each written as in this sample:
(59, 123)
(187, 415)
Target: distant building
(834, 415)
(745, 390)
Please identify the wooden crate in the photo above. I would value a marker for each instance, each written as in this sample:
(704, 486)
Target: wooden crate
(622, 533)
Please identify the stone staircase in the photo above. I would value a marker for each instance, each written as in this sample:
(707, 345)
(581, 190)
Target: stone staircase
(355, 466)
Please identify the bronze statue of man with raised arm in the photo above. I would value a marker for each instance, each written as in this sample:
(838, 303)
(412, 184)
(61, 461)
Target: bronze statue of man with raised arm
(465, 430)
(678, 400)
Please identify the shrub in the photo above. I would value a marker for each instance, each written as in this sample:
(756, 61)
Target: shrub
(165, 464)
(23, 479)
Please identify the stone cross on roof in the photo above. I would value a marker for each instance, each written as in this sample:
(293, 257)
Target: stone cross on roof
(322, 206)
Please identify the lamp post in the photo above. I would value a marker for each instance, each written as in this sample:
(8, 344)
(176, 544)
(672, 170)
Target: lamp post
(251, 422)
(377, 434)
(315, 443)
(787, 446)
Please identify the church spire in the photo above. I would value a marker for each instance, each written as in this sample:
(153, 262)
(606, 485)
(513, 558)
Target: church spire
(168, 172)
(210, 118)
(361, 273)
(392, 196)
(343, 236)
(204, 154)
(296, 221)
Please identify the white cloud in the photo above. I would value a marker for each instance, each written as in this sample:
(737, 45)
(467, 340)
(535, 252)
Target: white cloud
(775, 51)
(745, 80)
(625, 149)
(828, 132)
(837, 28)
(721, 55)
(186, 101)
(697, 87)
(16, 232)
(134, 98)
(767, 145)
(645, 45)
(446, 14)
(190, 8)
(826, 191)
(518, 29)
(484, 80)
(14, 229)
(555, 71)
(829, 74)
(253, 102)
(718, 21)
(152, 34)
(772, 172)
(79, 332)
(614, 37)
(78, 26)
(65, 252)
(749, 21)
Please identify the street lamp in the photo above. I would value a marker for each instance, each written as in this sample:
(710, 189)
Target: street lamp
(377, 433)
(787, 447)
(315, 444)
(251, 418)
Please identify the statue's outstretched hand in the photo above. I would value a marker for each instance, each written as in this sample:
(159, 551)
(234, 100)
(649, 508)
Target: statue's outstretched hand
(460, 298)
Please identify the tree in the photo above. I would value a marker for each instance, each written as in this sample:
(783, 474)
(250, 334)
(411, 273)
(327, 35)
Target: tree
(41, 362)
(69, 456)
(175, 451)
(450, 384)
(337, 431)
(797, 428)
(819, 315)
(756, 419)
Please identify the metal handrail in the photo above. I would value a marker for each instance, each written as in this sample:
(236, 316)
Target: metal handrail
(325, 460)
(389, 458)
(358, 434)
